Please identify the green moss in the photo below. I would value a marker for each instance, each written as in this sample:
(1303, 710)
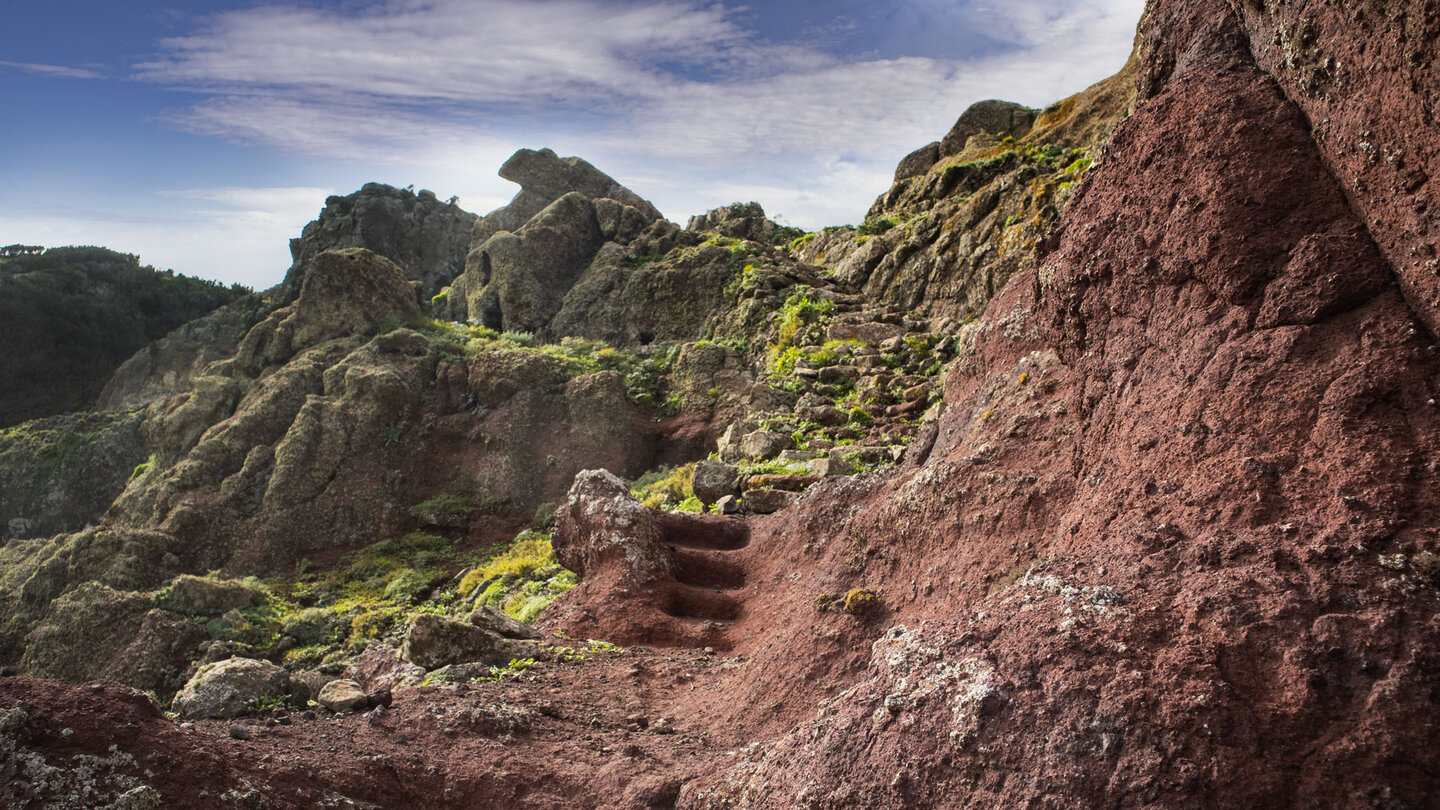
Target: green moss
(666, 488)
(799, 312)
(143, 467)
(801, 241)
(523, 580)
(445, 508)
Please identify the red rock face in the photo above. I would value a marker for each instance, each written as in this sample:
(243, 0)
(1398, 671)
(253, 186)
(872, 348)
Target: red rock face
(1172, 546)
(1367, 77)
(1173, 543)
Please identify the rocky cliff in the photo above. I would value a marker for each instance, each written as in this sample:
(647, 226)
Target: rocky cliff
(427, 238)
(1163, 530)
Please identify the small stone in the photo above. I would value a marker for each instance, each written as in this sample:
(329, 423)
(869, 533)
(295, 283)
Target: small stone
(664, 725)
(401, 739)
(837, 374)
(829, 466)
(342, 696)
(239, 733)
(729, 505)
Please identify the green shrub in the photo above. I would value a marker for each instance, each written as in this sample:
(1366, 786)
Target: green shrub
(875, 226)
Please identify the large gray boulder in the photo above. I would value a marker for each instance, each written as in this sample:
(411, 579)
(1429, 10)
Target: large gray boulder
(603, 532)
(545, 177)
(427, 238)
(230, 688)
(517, 281)
(713, 480)
(433, 641)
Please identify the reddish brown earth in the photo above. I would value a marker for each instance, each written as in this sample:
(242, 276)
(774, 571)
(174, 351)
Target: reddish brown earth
(1172, 544)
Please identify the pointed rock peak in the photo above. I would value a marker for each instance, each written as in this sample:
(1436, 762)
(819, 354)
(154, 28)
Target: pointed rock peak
(992, 117)
(542, 172)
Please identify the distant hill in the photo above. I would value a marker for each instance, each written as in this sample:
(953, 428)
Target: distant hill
(70, 316)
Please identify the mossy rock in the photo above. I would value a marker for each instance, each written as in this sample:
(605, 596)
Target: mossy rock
(313, 626)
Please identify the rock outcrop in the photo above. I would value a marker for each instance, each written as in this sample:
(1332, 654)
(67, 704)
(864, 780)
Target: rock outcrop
(1165, 532)
(427, 238)
(545, 177)
(230, 688)
(1115, 572)
(170, 365)
(965, 212)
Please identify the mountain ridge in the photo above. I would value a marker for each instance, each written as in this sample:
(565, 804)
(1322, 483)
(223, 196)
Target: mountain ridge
(1040, 538)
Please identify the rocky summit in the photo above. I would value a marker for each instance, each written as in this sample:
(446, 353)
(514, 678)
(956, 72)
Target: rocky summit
(1096, 467)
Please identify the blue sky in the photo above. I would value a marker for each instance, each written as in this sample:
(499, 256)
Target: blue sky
(203, 136)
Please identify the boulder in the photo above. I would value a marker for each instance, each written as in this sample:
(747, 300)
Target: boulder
(381, 669)
(713, 480)
(202, 596)
(489, 618)
(993, 117)
(826, 415)
(869, 333)
(545, 173)
(342, 696)
(601, 530)
(433, 641)
(764, 444)
(768, 501)
(426, 238)
(230, 688)
(830, 465)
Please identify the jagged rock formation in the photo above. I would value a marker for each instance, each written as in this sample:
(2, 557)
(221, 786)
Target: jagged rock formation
(965, 212)
(260, 462)
(1109, 572)
(543, 178)
(70, 316)
(427, 238)
(577, 254)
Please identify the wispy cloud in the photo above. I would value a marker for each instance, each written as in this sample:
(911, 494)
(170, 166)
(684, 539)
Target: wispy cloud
(56, 71)
(677, 98)
(235, 233)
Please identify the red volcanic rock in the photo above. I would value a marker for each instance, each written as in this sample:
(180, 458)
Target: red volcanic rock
(646, 576)
(1182, 565)
(1171, 543)
(1365, 77)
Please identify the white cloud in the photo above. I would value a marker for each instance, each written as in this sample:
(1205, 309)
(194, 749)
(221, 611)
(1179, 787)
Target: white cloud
(57, 71)
(674, 98)
(237, 235)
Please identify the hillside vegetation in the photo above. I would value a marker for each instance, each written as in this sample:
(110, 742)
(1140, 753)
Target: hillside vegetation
(70, 316)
